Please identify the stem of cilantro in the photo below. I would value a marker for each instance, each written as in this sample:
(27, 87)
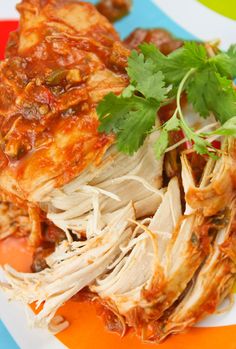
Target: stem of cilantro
(178, 110)
(179, 92)
(199, 142)
(177, 121)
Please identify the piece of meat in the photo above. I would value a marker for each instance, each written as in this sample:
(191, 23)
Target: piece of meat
(126, 288)
(166, 256)
(77, 264)
(88, 203)
(219, 190)
(161, 38)
(66, 57)
(114, 9)
(213, 282)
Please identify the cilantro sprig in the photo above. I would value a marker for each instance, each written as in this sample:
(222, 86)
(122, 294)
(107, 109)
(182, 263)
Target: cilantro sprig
(156, 80)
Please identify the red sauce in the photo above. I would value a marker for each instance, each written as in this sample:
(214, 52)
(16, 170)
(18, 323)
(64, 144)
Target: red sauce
(47, 110)
(17, 253)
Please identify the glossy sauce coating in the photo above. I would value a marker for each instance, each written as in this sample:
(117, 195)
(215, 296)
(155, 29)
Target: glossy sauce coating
(60, 64)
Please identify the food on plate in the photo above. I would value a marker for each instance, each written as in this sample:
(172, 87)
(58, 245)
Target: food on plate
(121, 157)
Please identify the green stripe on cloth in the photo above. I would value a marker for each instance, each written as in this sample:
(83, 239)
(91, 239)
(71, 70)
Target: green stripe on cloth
(226, 8)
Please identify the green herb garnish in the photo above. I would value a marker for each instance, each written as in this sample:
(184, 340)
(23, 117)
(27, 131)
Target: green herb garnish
(156, 80)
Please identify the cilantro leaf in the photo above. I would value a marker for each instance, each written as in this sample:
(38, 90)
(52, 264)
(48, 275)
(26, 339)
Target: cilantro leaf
(226, 62)
(154, 87)
(111, 111)
(178, 63)
(162, 142)
(195, 54)
(196, 91)
(139, 68)
(134, 128)
(128, 91)
(209, 92)
(224, 102)
(173, 124)
(130, 118)
(232, 55)
(144, 78)
(156, 80)
(200, 144)
(227, 129)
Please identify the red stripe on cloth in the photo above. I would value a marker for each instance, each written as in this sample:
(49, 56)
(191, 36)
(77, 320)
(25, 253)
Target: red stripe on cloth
(5, 28)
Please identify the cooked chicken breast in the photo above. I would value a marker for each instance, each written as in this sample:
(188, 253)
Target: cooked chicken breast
(66, 57)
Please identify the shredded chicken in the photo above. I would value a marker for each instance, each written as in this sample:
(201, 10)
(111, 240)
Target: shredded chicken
(144, 254)
(167, 250)
(219, 191)
(89, 202)
(213, 283)
(165, 256)
(72, 267)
